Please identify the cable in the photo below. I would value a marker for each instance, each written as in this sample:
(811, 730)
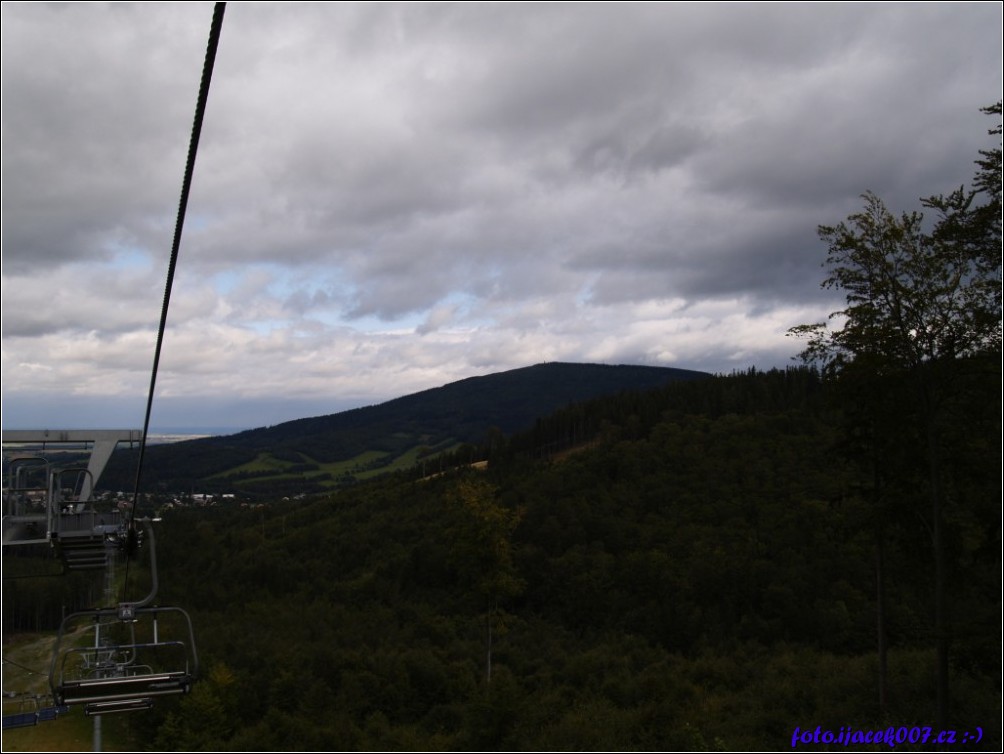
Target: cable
(23, 667)
(193, 148)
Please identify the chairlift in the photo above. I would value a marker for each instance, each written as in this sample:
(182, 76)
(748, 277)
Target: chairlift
(137, 652)
(82, 535)
(27, 513)
(47, 504)
(127, 662)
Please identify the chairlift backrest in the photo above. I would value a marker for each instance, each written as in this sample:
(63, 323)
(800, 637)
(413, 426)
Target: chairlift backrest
(152, 654)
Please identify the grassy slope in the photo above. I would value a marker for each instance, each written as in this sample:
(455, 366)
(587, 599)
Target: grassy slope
(71, 732)
(366, 465)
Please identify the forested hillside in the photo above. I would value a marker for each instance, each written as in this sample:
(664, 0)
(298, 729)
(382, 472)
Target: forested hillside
(699, 573)
(319, 453)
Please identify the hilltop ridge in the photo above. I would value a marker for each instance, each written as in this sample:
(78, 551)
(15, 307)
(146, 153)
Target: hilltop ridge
(314, 453)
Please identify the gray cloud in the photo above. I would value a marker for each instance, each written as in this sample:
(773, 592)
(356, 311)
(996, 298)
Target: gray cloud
(389, 196)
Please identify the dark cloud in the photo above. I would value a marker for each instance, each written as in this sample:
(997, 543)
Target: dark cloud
(436, 190)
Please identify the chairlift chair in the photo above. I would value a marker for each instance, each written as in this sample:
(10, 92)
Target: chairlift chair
(128, 661)
(134, 654)
(48, 505)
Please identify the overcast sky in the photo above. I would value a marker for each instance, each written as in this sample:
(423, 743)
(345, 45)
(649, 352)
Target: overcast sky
(392, 196)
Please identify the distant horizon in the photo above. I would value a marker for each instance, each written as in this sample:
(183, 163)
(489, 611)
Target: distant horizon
(196, 430)
(154, 431)
(181, 431)
(185, 415)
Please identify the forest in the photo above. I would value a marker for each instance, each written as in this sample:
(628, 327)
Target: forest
(686, 579)
(712, 564)
(699, 571)
(318, 453)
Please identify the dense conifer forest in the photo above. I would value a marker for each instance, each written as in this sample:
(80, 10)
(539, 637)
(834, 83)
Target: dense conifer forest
(696, 571)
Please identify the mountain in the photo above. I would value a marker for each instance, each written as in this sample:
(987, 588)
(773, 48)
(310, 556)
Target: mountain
(709, 547)
(701, 575)
(316, 453)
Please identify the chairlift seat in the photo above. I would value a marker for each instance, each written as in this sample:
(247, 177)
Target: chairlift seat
(120, 689)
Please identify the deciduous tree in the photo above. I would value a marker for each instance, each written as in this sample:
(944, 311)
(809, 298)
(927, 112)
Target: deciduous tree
(482, 550)
(923, 307)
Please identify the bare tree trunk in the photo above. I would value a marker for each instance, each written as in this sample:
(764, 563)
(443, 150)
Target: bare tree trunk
(941, 618)
(883, 648)
(488, 666)
(941, 628)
